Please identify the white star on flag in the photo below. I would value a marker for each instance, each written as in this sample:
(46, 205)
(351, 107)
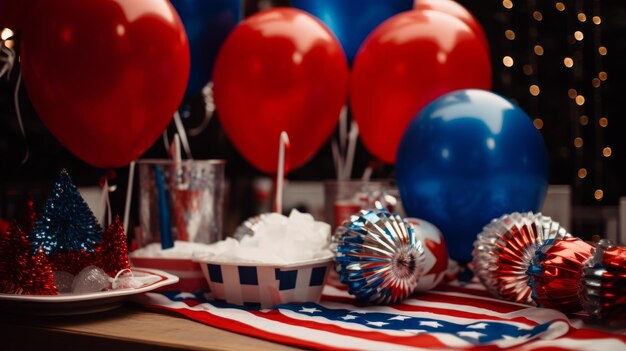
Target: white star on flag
(377, 324)
(471, 334)
(433, 324)
(516, 338)
(477, 326)
(309, 310)
(348, 317)
(185, 295)
(399, 318)
(361, 311)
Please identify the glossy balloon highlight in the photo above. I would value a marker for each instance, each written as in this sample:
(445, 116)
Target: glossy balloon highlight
(457, 10)
(468, 157)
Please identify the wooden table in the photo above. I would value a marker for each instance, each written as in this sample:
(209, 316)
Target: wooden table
(126, 328)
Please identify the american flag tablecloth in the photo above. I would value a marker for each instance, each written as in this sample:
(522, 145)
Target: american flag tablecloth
(454, 316)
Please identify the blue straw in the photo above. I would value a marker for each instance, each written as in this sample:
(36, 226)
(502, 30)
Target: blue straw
(164, 213)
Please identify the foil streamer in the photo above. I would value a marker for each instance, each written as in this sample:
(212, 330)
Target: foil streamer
(378, 256)
(603, 285)
(504, 250)
(556, 271)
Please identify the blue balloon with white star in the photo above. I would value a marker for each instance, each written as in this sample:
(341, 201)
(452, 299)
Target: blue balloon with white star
(466, 158)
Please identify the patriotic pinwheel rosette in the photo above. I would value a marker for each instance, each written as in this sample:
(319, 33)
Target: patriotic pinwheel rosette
(378, 256)
(504, 251)
(555, 273)
(603, 285)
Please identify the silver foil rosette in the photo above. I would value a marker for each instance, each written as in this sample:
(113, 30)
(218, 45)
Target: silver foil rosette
(378, 256)
(603, 284)
(504, 251)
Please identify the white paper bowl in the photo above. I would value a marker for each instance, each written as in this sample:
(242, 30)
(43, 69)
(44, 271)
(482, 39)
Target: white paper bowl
(265, 285)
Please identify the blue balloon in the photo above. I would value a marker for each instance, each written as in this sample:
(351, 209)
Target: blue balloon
(466, 158)
(207, 24)
(353, 20)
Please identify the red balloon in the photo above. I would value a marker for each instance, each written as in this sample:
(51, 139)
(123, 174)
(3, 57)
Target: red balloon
(457, 10)
(105, 76)
(407, 62)
(280, 69)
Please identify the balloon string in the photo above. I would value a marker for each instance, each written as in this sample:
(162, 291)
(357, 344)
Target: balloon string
(352, 138)
(105, 205)
(367, 174)
(8, 60)
(283, 165)
(166, 141)
(18, 113)
(343, 128)
(344, 150)
(180, 129)
(129, 194)
(337, 160)
(209, 110)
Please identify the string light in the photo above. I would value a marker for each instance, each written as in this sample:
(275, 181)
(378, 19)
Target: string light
(596, 20)
(507, 61)
(578, 35)
(598, 194)
(606, 152)
(582, 173)
(578, 142)
(603, 76)
(538, 50)
(528, 70)
(6, 34)
(582, 17)
(572, 93)
(509, 34)
(583, 120)
(568, 62)
(580, 100)
(602, 50)
(534, 90)
(595, 82)
(537, 16)
(538, 123)
(560, 6)
(507, 4)
(603, 122)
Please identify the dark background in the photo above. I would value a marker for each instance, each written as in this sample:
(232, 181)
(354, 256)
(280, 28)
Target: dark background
(558, 115)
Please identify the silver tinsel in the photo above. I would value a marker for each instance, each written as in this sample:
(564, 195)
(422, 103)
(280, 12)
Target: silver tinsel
(504, 251)
(378, 256)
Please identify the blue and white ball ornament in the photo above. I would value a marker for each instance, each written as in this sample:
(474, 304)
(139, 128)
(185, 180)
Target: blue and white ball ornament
(379, 256)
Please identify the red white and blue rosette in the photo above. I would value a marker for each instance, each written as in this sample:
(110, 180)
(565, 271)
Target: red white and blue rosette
(379, 256)
(505, 249)
(555, 273)
(603, 284)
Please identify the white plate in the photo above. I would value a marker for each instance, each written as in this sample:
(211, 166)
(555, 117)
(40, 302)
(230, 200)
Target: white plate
(69, 304)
